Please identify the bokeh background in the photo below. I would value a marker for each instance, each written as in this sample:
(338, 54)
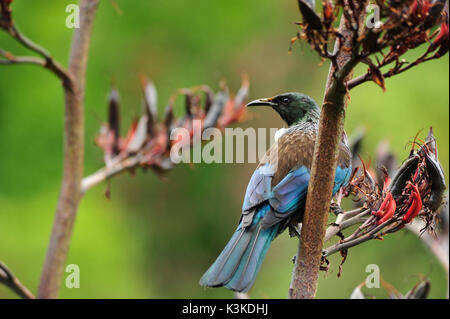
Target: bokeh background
(155, 237)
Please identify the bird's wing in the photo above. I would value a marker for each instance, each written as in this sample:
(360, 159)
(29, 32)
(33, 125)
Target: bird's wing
(289, 193)
(259, 187)
(282, 165)
(344, 167)
(281, 180)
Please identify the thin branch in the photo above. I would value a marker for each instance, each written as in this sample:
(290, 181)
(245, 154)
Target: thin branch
(109, 171)
(368, 76)
(436, 49)
(52, 66)
(47, 62)
(70, 194)
(8, 279)
(345, 221)
(353, 242)
(22, 60)
(28, 43)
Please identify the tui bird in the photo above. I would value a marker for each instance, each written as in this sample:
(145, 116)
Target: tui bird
(276, 194)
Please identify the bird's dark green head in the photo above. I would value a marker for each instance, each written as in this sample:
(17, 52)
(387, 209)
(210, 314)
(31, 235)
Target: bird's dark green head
(293, 107)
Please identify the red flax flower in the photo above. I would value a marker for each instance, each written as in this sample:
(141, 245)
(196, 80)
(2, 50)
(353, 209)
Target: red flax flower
(388, 206)
(328, 13)
(416, 205)
(419, 10)
(415, 190)
(387, 209)
(442, 40)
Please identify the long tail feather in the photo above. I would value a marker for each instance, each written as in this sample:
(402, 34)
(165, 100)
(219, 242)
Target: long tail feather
(239, 262)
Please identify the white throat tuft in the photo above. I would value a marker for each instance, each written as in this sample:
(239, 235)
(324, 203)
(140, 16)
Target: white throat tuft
(279, 133)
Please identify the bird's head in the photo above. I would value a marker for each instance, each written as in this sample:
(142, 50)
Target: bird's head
(293, 107)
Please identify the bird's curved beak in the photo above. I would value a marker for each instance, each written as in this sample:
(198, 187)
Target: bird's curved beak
(262, 102)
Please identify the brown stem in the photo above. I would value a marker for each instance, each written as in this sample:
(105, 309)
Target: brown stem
(8, 279)
(47, 62)
(73, 156)
(331, 127)
(346, 220)
(347, 243)
(368, 76)
(21, 59)
(109, 171)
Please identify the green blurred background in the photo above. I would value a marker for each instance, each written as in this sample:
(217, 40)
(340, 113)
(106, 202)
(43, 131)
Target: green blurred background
(154, 238)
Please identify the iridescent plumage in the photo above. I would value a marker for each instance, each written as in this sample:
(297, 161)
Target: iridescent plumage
(276, 193)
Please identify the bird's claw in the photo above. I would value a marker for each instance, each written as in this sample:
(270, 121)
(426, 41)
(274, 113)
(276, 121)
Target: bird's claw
(294, 231)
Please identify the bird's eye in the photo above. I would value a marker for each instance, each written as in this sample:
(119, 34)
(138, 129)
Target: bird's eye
(285, 100)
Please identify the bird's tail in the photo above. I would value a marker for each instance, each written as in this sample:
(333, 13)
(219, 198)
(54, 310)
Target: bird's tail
(239, 262)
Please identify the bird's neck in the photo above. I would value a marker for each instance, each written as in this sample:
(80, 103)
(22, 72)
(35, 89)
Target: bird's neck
(312, 116)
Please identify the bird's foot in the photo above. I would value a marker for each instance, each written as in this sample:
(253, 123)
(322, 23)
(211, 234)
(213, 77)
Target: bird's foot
(336, 209)
(294, 231)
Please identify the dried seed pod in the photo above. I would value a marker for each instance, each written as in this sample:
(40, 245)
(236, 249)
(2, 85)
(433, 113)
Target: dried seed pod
(434, 170)
(130, 135)
(242, 94)
(220, 99)
(376, 74)
(436, 179)
(310, 17)
(403, 174)
(235, 108)
(168, 114)
(209, 98)
(357, 292)
(139, 137)
(420, 290)
(436, 174)
(443, 218)
(151, 104)
(188, 102)
(387, 159)
(430, 141)
(434, 13)
(114, 119)
(105, 140)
